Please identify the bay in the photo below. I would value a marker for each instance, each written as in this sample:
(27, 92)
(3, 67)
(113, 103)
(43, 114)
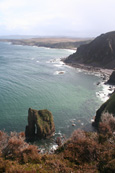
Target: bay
(35, 77)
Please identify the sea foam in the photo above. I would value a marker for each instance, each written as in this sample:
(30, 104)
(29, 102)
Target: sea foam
(59, 72)
(104, 93)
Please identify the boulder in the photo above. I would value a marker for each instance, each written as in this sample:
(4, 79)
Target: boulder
(40, 124)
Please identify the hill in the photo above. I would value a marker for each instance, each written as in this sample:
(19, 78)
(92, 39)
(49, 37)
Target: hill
(98, 53)
(57, 43)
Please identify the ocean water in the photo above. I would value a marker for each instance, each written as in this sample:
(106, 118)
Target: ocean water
(35, 77)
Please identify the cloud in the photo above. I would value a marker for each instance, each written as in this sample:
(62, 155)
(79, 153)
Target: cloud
(68, 16)
(10, 4)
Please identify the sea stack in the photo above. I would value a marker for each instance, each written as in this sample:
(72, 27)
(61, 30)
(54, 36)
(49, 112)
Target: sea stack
(40, 124)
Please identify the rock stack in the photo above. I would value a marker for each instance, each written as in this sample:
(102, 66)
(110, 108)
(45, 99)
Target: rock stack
(40, 124)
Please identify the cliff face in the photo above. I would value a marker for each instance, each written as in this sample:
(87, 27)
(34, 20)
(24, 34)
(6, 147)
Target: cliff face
(99, 53)
(40, 124)
(111, 80)
(108, 106)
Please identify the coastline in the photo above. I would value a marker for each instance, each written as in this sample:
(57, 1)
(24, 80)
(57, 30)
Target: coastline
(56, 43)
(72, 49)
(104, 73)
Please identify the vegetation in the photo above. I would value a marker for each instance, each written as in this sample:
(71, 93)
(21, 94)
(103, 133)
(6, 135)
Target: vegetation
(83, 152)
(108, 106)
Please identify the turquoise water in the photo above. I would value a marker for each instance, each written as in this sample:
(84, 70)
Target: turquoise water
(34, 77)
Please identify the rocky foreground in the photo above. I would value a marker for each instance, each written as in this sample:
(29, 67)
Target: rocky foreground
(90, 152)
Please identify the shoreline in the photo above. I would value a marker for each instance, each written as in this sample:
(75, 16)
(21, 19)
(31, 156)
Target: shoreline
(57, 43)
(46, 47)
(104, 73)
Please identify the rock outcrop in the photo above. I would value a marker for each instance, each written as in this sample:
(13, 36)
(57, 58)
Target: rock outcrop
(40, 124)
(111, 80)
(98, 53)
(108, 106)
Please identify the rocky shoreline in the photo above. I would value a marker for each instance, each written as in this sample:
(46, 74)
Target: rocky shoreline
(104, 73)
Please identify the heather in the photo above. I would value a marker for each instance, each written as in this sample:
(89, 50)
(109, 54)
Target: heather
(82, 152)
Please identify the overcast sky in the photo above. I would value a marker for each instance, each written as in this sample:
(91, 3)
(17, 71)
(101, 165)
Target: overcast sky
(77, 18)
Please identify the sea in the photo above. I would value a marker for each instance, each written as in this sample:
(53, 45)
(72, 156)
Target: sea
(35, 77)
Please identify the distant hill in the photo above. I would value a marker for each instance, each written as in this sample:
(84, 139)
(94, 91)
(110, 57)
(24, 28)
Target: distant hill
(60, 43)
(98, 53)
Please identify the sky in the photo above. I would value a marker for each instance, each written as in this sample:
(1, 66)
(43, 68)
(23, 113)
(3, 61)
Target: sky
(72, 18)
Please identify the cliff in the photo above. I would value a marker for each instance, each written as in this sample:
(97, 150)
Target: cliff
(111, 80)
(40, 124)
(98, 53)
(108, 106)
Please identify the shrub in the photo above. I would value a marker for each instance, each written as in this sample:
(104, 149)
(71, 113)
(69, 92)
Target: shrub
(58, 141)
(81, 148)
(77, 134)
(109, 120)
(106, 127)
(110, 167)
(3, 140)
(106, 160)
(105, 131)
(30, 154)
(14, 147)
